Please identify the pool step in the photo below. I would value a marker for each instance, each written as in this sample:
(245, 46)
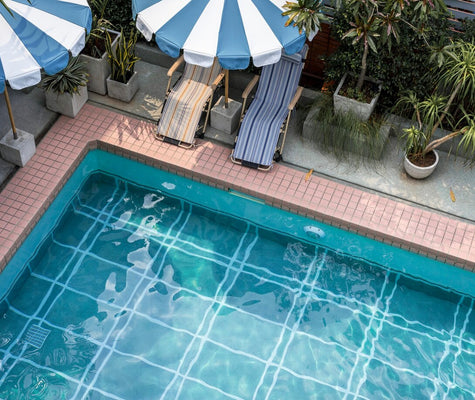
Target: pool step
(36, 336)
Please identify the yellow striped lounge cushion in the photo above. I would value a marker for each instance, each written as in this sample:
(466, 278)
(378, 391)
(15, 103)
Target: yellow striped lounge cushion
(182, 111)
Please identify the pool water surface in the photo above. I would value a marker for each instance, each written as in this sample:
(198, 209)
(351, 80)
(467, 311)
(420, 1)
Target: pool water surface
(135, 293)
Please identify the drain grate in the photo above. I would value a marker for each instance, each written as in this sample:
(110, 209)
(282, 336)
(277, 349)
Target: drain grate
(36, 336)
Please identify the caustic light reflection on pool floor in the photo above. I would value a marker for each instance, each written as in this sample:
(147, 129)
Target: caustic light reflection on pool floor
(138, 295)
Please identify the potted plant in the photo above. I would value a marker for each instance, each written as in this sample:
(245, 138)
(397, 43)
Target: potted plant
(66, 91)
(456, 82)
(122, 83)
(370, 25)
(94, 53)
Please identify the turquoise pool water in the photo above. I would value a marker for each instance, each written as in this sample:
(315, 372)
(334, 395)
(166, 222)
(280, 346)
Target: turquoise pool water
(129, 291)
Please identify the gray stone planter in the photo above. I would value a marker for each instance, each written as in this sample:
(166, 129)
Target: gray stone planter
(99, 69)
(123, 91)
(66, 103)
(344, 104)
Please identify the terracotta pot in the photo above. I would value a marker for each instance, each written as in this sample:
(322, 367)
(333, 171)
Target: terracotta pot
(417, 172)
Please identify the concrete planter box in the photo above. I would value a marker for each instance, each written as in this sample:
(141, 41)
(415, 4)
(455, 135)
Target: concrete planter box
(123, 91)
(99, 69)
(312, 131)
(344, 104)
(66, 103)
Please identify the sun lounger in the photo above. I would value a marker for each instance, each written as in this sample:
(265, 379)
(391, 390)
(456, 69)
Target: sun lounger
(257, 143)
(186, 101)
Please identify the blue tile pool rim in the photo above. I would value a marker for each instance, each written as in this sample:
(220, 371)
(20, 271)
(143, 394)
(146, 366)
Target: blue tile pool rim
(232, 203)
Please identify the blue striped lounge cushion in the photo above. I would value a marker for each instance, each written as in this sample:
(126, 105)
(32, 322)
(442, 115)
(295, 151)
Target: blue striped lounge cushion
(260, 128)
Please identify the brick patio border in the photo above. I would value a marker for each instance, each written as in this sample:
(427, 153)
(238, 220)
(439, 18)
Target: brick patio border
(32, 189)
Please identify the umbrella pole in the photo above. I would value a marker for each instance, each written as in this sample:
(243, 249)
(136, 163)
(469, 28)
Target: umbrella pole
(226, 88)
(9, 108)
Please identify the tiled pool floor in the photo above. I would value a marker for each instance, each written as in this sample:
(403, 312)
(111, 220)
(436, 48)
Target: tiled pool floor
(33, 187)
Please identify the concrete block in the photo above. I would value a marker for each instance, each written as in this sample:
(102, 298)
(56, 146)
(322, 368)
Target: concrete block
(226, 119)
(18, 151)
(66, 103)
(123, 91)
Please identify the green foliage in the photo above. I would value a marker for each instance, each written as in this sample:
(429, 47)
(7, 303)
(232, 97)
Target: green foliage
(468, 30)
(122, 60)
(119, 13)
(456, 85)
(404, 65)
(68, 80)
(396, 32)
(306, 15)
(345, 133)
(415, 141)
(458, 70)
(467, 142)
(95, 40)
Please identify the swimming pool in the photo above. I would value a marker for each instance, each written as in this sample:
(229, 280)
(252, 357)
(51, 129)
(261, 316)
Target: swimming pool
(137, 293)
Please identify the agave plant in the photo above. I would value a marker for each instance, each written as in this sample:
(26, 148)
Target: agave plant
(306, 15)
(123, 59)
(69, 79)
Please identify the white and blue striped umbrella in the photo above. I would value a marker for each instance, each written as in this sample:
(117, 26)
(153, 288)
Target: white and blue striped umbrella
(232, 30)
(39, 35)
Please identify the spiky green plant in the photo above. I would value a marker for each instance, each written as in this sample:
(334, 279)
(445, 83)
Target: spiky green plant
(344, 133)
(69, 79)
(306, 15)
(457, 78)
(96, 38)
(122, 60)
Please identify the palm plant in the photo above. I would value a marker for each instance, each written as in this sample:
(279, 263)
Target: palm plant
(306, 15)
(378, 21)
(372, 22)
(365, 29)
(456, 77)
(122, 60)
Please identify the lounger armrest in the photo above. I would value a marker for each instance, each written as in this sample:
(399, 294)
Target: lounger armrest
(175, 65)
(296, 98)
(250, 86)
(218, 79)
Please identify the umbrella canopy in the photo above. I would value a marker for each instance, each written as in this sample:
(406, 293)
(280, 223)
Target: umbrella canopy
(40, 35)
(232, 30)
